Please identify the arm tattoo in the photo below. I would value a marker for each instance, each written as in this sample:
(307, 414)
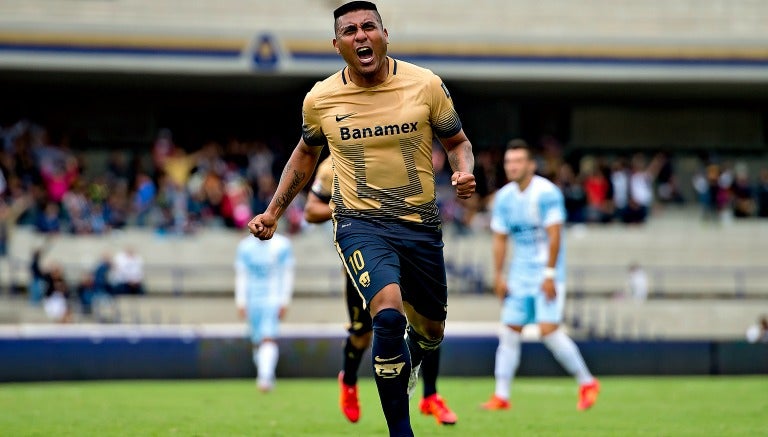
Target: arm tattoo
(455, 162)
(284, 199)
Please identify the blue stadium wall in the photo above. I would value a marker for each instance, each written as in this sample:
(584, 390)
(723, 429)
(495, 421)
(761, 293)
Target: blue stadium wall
(188, 357)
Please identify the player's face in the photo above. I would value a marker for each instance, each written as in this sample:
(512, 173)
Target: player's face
(518, 165)
(362, 41)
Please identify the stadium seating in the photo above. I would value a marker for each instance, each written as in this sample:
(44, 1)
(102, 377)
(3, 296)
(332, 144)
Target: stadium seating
(713, 20)
(683, 256)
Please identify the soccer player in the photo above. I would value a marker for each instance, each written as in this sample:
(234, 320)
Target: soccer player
(378, 115)
(317, 210)
(264, 276)
(532, 210)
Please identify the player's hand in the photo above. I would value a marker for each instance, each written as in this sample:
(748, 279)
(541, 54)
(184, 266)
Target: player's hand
(465, 184)
(282, 313)
(241, 313)
(548, 288)
(263, 226)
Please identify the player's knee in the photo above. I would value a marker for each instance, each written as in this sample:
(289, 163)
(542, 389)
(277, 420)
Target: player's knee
(426, 342)
(389, 323)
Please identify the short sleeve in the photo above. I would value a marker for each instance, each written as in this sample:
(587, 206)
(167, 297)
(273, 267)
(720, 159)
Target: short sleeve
(445, 121)
(311, 128)
(552, 207)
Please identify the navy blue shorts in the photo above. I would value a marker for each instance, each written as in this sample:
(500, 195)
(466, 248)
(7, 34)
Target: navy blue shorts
(376, 256)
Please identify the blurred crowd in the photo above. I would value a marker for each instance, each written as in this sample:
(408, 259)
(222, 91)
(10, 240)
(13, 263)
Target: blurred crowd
(172, 190)
(177, 189)
(615, 188)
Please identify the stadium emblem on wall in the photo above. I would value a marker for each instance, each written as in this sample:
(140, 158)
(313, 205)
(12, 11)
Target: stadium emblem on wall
(264, 53)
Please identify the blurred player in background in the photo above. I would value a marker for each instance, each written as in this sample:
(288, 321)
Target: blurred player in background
(378, 115)
(532, 210)
(264, 276)
(317, 210)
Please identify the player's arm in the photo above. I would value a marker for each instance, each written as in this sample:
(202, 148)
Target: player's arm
(316, 210)
(462, 161)
(554, 233)
(297, 172)
(499, 250)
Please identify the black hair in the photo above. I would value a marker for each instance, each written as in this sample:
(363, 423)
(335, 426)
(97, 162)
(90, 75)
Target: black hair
(353, 6)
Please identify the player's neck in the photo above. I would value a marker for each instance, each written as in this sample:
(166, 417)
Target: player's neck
(524, 182)
(371, 80)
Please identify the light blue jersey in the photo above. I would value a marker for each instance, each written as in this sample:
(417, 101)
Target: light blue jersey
(264, 277)
(525, 216)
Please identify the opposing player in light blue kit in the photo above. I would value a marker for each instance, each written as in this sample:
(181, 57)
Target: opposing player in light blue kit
(531, 209)
(264, 277)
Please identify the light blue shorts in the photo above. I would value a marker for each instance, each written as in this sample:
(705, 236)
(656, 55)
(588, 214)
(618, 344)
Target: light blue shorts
(263, 322)
(527, 304)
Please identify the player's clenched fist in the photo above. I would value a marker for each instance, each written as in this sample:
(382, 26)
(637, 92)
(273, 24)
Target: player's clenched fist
(263, 226)
(464, 183)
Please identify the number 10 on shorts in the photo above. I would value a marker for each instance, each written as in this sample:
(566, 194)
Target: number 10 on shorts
(356, 264)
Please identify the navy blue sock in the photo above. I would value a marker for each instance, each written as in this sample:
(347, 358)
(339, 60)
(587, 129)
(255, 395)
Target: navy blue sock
(430, 366)
(391, 369)
(352, 358)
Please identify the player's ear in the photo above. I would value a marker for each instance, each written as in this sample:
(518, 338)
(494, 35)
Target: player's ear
(336, 46)
(386, 36)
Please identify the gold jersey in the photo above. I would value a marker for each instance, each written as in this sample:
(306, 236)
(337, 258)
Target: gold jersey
(380, 141)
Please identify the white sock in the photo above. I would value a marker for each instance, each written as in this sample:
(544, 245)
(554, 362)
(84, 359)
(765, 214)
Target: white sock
(567, 354)
(266, 362)
(507, 360)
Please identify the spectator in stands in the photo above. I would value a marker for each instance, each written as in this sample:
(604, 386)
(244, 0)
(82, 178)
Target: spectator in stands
(641, 180)
(162, 148)
(37, 284)
(101, 275)
(54, 288)
(637, 283)
(597, 188)
(620, 188)
(761, 194)
(758, 333)
(10, 211)
(489, 176)
(86, 291)
(128, 271)
(77, 210)
(144, 199)
(573, 193)
(117, 209)
(743, 193)
(49, 221)
(667, 184)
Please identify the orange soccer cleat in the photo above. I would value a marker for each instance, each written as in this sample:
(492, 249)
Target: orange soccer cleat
(496, 403)
(435, 405)
(348, 401)
(588, 395)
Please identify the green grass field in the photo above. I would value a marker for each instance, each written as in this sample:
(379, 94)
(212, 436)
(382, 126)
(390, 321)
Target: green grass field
(657, 406)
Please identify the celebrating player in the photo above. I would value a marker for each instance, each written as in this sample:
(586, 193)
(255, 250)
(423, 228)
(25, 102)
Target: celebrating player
(532, 210)
(378, 116)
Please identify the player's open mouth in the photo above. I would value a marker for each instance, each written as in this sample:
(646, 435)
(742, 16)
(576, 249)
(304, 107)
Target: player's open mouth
(365, 54)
